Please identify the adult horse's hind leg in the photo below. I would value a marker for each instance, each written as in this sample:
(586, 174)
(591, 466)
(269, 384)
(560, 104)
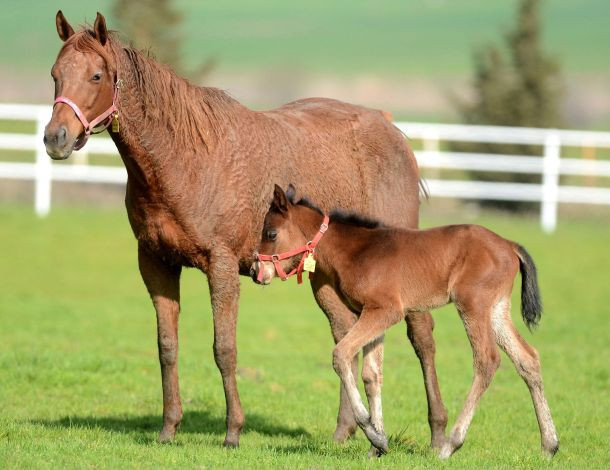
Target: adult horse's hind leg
(486, 360)
(527, 363)
(163, 284)
(419, 332)
(341, 319)
(223, 279)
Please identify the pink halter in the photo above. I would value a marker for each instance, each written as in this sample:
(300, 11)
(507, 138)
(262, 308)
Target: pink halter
(306, 249)
(89, 126)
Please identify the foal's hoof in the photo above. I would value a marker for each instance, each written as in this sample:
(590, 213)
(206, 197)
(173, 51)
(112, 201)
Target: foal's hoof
(374, 453)
(379, 441)
(551, 449)
(447, 450)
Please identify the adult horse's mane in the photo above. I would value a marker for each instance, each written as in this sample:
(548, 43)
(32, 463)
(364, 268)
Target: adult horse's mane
(194, 115)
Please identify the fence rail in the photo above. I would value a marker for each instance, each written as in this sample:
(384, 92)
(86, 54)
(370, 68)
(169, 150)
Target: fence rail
(550, 165)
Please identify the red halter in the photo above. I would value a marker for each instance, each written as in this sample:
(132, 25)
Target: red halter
(89, 126)
(306, 249)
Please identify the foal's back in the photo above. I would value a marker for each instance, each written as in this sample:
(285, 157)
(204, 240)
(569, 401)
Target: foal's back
(432, 267)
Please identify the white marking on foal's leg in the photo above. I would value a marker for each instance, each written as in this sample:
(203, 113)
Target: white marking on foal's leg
(372, 376)
(527, 364)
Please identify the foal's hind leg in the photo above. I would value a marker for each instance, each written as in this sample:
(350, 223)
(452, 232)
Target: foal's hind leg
(527, 364)
(372, 376)
(486, 360)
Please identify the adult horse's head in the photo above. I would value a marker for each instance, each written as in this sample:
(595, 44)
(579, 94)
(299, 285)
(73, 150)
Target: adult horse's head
(85, 76)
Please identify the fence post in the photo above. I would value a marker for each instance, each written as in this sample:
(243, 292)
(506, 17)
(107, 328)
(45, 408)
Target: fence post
(42, 181)
(430, 143)
(550, 181)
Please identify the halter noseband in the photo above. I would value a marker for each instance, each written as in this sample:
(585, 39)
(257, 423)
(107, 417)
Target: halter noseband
(89, 126)
(307, 249)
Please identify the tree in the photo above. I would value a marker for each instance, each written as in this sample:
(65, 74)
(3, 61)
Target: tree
(155, 25)
(523, 90)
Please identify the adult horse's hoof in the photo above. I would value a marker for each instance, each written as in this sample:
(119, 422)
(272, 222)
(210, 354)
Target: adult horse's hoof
(231, 442)
(166, 435)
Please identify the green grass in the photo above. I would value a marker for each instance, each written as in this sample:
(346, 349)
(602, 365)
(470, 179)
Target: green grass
(80, 385)
(423, 38)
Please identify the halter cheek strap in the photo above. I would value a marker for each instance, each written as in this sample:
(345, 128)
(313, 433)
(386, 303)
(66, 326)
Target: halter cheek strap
(307, 249)
(90, 126)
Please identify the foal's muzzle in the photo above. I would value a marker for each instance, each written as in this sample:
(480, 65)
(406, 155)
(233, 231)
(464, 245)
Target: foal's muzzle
(261, 274)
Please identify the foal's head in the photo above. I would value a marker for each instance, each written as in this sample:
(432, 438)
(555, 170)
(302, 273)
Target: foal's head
(85, 73)
(281, 233)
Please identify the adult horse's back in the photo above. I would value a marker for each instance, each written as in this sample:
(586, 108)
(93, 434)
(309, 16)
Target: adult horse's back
(201, 169)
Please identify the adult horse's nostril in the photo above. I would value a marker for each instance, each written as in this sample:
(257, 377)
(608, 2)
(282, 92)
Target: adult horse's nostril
(61, 136)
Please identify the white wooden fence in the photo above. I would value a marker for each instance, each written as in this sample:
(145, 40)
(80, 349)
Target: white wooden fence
(550, 193)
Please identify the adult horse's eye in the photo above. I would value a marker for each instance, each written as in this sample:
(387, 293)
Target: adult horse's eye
(272, 234)
(96, 77)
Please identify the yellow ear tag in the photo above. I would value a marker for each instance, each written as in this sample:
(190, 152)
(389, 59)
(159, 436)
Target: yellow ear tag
(115, 123)
(310, 263)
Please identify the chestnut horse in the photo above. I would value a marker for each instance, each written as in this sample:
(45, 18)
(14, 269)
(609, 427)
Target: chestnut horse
(388, 273)
(200, 169)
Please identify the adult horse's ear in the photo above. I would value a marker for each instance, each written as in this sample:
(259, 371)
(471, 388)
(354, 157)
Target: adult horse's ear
(99, 27)
(279, 199)
(63, 27)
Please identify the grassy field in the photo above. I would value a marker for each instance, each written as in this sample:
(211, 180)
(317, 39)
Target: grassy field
(80, 385)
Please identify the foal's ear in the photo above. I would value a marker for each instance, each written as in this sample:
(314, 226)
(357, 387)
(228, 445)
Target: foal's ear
(291, 193)
(279, 199)
(99, 27)
(63, 27)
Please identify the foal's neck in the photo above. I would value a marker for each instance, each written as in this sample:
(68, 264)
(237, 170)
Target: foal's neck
(329, 251)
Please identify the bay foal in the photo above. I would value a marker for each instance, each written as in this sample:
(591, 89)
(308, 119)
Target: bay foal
(385, 273)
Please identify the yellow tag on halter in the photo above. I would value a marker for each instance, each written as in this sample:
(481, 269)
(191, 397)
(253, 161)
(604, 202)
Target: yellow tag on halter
(310, 263)
(115, 122)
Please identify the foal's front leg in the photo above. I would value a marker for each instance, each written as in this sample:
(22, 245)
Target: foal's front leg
(372, 376)
(371, 324)
(163, 284)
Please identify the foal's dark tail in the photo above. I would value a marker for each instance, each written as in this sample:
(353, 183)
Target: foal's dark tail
(531, 304)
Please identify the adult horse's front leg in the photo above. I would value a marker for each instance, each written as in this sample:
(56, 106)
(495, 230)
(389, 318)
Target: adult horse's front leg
(163, 284)
(223, 279)
(419, 332)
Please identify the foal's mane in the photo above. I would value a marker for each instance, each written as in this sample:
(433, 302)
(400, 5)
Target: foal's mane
(193, 115)
(336, 215)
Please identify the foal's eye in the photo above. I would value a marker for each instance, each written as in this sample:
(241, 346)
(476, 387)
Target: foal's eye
(96, 77)
(272, 234)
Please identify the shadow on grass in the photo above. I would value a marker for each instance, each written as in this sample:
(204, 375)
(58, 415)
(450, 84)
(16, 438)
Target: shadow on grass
(192, 422)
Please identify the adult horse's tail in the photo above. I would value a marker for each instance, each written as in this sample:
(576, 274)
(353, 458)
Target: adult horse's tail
(531, 303)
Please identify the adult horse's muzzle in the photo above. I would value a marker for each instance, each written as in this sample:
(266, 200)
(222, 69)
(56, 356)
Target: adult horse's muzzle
(58, 141)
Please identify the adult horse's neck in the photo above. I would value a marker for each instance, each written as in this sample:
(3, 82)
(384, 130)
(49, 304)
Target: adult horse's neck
(166, 123)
